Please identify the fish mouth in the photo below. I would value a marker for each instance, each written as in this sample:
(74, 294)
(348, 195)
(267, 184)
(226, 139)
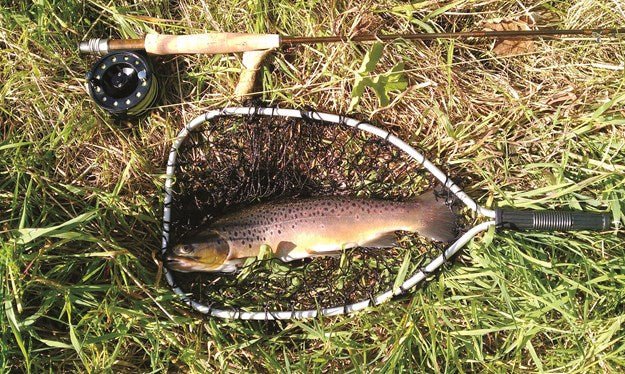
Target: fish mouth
(185, 264)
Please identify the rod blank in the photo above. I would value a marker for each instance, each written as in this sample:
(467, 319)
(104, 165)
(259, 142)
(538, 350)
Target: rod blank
(536, 34)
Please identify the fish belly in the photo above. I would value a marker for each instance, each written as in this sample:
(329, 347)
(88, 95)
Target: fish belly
(329, 238)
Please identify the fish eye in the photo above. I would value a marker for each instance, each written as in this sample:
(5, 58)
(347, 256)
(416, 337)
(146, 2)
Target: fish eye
(185, 249)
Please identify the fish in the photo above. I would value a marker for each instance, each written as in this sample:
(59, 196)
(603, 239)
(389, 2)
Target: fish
(309, 227)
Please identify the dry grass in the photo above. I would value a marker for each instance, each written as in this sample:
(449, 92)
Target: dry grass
(543, 129)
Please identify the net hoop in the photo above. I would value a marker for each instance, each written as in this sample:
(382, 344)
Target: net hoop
(409, 283)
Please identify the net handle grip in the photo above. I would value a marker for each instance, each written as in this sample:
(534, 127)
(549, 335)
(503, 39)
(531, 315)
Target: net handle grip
(546, 220)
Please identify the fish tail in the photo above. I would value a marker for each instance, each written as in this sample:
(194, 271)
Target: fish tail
(436, 219)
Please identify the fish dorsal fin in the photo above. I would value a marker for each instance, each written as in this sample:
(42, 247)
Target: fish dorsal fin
(385, 240)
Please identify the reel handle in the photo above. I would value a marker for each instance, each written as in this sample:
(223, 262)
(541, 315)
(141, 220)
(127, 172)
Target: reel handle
(248, 80)
(546, 220)
(211, 43)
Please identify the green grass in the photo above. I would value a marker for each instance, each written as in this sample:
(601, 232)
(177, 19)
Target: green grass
(80, 195)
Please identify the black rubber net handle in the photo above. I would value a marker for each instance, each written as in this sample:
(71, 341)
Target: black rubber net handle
(550, 220)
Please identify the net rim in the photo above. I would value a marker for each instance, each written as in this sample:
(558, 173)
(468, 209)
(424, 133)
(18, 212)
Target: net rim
(414, 280)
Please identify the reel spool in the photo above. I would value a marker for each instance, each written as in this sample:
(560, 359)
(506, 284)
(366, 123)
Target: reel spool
(123, 84)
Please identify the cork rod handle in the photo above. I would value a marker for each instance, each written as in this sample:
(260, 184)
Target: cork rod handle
(211, 43)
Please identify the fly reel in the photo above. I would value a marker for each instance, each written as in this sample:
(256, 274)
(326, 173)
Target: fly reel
(123, 84)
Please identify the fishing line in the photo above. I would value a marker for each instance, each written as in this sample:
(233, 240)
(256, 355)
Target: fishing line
(189, 170)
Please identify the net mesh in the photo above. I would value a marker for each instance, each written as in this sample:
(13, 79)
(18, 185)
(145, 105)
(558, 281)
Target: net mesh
(231, 162)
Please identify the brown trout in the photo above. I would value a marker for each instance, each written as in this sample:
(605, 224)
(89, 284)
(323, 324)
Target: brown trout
(309, 227)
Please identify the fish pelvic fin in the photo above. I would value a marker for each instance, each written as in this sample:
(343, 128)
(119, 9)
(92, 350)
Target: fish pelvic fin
(436, 219)
(385, 240)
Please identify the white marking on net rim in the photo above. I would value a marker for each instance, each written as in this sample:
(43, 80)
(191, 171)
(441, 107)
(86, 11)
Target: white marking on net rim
(415, 279)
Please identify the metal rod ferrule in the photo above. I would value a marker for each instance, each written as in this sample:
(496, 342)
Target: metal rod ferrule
(102, 47)
(96, 46)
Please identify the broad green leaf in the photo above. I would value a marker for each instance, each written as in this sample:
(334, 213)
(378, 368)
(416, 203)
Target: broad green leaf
(14, 145)
(530, 347)
(371, 59)
(403, 270)
(605, 106)
(410, 7)
(392, 80)
(15, 328)
(615, 205)
(442, 10)
(29, 234)
(54, 343)
(265, 252)
(423, 25)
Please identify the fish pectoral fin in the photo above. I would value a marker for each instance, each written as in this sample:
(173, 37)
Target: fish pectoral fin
(385, 240)
(289, 251)
(329, 253)
(297, 253)
(230, 266)
(285, 247)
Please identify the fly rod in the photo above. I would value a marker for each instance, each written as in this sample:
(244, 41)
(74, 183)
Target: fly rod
(210, 43)
(123, 84)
